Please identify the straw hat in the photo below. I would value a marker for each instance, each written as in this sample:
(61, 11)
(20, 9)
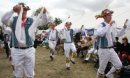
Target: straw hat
(104, 13)
(51, 24)
(24, 6)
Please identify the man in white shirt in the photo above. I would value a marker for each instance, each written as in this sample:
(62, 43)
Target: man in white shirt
(105, 38)
(52, 38)
(68, 38)
(22, 52)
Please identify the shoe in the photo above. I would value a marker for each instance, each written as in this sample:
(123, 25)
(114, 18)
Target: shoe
(82, 56)
(73, 62)
(85, 61)
(68, 68)
(51, 58)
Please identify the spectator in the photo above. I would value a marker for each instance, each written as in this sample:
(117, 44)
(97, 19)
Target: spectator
(1, 35)
(6, 44)
(125, 50)
(117, 45)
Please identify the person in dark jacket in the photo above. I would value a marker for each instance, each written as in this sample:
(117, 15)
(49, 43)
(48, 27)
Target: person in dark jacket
(1, 35)
(117, 45)
(125, 46)
(6, 45)
(125, 51)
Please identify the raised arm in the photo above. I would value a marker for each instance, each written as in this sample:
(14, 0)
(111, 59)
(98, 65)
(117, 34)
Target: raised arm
(37, 22)
(81, 29)
(122, 31)
(42, 21)
(6, 19)
(43, 18)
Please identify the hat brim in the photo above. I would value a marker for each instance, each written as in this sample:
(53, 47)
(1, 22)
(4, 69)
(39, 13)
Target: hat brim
(26, 8)
(104, 13)
(107, 13)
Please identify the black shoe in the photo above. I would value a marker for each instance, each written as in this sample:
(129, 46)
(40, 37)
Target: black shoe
(105, 77)
(68, 68)
(51, 58)
(85, 61)
(82, 56)
(73, 62)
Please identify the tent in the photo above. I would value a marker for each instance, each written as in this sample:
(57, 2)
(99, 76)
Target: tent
(89, 21)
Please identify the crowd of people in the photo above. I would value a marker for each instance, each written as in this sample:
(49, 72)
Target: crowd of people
(103, 46)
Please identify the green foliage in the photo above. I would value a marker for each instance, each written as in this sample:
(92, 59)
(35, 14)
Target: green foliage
(44, 27)
(37, 11)
(58, 21)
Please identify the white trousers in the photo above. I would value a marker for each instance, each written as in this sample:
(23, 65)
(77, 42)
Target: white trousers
(24, 61)
(52, 44)
(90, 51)
(105, 56)
(68, 47)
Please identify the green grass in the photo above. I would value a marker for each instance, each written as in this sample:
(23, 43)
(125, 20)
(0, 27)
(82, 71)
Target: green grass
(51, 69)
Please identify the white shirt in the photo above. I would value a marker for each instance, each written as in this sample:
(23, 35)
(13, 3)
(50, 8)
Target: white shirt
(52, 35)
(110, 31)
(7, 19)
(66, 33)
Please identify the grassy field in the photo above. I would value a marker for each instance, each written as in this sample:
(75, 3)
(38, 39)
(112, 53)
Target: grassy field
(51, 69)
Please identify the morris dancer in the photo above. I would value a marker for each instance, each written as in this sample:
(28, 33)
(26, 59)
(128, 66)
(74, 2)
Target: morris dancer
(105, 34)
(22, 38)
(68, 37)
(53, 38)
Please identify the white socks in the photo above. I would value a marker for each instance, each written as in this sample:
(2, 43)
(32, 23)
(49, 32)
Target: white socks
(73, 59)
(67, 64)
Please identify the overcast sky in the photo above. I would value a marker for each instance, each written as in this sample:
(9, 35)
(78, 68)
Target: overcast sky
(65, 8)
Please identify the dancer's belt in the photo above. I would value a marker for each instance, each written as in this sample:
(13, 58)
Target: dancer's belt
(107, 47)
(68, 42)
(52, 40)
(23, 47)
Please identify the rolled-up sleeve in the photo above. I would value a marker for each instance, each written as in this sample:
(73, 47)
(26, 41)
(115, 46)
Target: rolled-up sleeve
(43, 20)
(6, 19)
(120, 32)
